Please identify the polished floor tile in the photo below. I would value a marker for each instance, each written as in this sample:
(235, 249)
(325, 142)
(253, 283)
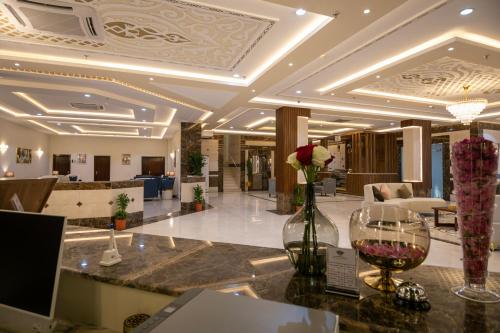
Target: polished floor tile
(243, 219)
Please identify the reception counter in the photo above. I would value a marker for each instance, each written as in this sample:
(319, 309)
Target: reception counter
(159, 268)
(93, 204)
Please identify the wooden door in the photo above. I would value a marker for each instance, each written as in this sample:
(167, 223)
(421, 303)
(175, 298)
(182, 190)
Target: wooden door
(101, 168)
(61, 164)
(153, 165)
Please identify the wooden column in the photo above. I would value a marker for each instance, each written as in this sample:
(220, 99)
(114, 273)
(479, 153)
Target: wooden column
(286, 143)
(423, 189)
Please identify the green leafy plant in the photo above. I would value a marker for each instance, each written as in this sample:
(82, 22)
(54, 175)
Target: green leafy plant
(298, 196)
(249, 169)
(198, 194)
(122, 202)
(196, 163)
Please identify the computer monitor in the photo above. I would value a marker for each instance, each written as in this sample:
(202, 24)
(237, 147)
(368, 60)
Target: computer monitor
(31, 247)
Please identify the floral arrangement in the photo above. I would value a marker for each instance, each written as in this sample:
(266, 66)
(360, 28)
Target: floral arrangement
(310, 159)
(474, 166)
(393, 251)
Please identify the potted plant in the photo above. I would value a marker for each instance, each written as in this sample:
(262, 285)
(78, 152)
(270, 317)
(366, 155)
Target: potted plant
(198, 198)
(298, 197)
(249, 172)
(196, 163)
(122, 202)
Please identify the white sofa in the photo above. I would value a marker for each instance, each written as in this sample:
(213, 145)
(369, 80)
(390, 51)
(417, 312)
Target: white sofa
(421, 205)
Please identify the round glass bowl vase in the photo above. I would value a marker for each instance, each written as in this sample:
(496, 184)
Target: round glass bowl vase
(390, 238)
(306, 236)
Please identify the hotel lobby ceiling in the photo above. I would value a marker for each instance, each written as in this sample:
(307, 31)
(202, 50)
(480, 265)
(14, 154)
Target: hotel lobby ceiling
(229, 64)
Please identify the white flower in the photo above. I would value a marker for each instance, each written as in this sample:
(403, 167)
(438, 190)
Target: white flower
(292, 160)
(320, 155)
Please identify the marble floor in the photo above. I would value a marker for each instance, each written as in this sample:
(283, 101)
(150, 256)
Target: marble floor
(244, 219)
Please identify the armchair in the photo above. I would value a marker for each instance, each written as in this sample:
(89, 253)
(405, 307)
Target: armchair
(326, 186)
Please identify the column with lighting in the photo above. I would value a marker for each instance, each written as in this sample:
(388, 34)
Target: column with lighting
(291, 131)
(417, 155)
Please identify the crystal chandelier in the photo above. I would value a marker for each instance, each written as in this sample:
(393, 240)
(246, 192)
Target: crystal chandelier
(467, 109)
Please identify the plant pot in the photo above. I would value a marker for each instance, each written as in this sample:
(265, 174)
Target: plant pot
(198, 206)
(120, 225)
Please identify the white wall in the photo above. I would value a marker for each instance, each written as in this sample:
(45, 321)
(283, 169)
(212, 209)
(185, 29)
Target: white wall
(113, 147)
(210, 148)
(16, 136)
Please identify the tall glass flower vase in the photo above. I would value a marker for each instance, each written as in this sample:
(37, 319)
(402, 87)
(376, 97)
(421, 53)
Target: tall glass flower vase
(475, 165)
(307, 235)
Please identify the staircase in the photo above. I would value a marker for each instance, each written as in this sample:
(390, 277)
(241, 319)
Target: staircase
(231, 179)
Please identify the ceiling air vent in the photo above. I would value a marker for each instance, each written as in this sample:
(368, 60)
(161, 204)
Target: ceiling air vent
(87, 106)
(340, 121)
(54, 17)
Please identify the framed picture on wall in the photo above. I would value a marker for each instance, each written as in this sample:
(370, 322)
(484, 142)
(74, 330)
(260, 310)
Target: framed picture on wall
(81, 158)
(126, 159)
(23, 156)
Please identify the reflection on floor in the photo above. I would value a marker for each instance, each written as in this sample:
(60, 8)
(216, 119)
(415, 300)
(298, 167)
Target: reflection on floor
(244, 219)
(154, 208)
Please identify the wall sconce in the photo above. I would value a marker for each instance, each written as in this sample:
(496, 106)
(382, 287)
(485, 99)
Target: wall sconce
(9, 174)
(172, 155)
(55, 173)
(3, 148)
(39, 152)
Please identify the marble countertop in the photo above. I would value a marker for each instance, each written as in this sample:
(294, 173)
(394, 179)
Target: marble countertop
(173, 265)
(99, 185)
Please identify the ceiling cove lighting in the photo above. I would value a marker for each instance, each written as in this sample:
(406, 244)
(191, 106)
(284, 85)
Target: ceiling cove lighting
(105, 79)
(71, 112)
(334, 107)
(331, 123)
(400, 97)
(205, 116)
(260, 122)
(315, 25)
(467, 109)
(442, 39)
(389, 129)
(81, 130)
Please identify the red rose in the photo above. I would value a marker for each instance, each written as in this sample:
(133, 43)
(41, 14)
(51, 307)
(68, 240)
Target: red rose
(304, 154)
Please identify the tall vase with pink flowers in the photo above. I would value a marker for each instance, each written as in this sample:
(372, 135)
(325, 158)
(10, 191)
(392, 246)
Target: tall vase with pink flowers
(474, 166)
(308, 233)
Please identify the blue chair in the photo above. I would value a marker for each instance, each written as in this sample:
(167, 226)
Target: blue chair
(151, 187)
(167, 183)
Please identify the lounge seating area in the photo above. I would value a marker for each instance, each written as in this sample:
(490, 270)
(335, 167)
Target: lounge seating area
(392, 197)
(157, 187)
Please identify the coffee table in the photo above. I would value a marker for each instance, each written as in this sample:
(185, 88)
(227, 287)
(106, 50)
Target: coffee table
(449, 209)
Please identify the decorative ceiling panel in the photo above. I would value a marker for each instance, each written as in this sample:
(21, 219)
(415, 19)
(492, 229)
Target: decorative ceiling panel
(444, 78)
(170, 31)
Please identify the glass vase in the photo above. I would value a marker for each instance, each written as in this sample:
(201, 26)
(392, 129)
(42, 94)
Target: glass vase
(391, 238)
(474, 166)
(306, 236)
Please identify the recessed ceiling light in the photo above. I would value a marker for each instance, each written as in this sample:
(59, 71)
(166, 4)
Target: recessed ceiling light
(388, 100)
(151, 79)
(38, 114)
(87, 95)
(253, 90)
(366, 11)
(17, 64)
(231, 127)
(299, 91)
(143, 121)
(451, 49)
(236, 75)
(58, 124)
(300, 12)
(174, 109)
(290, 64)
(143, 109)
(221, 120)
(378, 76)
(144, 128)
(430, 106)
(262, 112)
(251, 129)
(392, 124)
(466, 11)
(322, 56)
(320, 125)
(333, 94)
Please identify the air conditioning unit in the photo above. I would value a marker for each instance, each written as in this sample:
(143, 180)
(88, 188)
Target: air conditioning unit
(54, 17)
